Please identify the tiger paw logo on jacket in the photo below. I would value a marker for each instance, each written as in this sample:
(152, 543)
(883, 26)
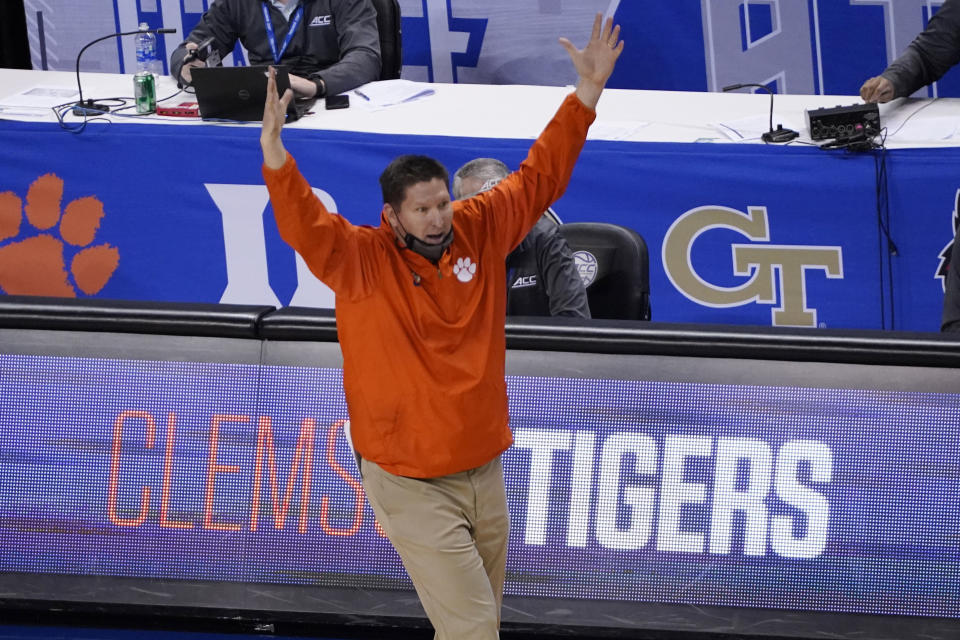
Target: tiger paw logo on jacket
(464, 269)
(49, 251)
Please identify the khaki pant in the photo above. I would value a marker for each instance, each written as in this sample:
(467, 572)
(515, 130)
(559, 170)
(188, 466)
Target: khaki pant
(451, 534)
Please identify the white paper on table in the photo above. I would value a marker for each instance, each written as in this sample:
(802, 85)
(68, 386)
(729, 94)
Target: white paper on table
(385, 93)
(37, 100)
(615, 130)
(921, 128)
(751, 127)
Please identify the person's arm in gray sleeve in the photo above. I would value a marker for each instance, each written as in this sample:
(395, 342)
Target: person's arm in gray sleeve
(561, 281)
(930, 55)
(216, 22)
(359, 40)
(951, 298)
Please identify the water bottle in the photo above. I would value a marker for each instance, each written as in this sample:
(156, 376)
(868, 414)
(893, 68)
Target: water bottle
(146, 50)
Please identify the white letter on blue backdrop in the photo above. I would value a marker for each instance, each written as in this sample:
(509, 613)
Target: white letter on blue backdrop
(675, 492)
(812, 503)
(638, 501)
(784, 54)
(542, 444)
(730, 496)
(248, 280)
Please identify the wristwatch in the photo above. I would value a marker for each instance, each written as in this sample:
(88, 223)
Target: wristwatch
(321, 87)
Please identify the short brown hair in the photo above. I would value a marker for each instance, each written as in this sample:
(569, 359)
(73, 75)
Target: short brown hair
(406, 171)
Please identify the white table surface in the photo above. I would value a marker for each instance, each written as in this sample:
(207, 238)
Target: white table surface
(521, 111)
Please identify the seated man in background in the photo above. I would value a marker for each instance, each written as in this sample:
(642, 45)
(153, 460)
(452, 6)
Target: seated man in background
(542, 278)
(329, 46)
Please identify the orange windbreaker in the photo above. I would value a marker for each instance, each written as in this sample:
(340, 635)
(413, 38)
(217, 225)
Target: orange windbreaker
(423, 364)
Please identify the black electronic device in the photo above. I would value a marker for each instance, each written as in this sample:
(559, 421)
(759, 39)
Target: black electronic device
(205, 52)
(341, 101)
(777, 135)
(238, 93)
(843, 122)
(89, 107)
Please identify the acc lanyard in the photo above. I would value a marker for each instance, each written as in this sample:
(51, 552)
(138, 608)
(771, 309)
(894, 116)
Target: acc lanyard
(294, 23)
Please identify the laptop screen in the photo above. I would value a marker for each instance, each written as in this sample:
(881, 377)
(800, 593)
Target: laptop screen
(235, 93)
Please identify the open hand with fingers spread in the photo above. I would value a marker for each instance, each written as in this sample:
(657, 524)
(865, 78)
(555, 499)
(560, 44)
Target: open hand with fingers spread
(594, 63)
(274, 114)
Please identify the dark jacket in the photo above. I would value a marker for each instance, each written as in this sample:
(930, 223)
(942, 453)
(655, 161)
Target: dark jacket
(951, 299)
(542, 278)
(337, 40)
(930, 55)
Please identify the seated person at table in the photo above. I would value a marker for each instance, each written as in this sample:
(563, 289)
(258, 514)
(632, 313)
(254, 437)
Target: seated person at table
(542, 278)
(329, 46)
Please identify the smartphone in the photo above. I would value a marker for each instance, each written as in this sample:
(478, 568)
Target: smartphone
(341, 101)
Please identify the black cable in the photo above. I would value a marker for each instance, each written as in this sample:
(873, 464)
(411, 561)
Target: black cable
(883, 223)
(863, 141)
(125, 101)
(62, 109)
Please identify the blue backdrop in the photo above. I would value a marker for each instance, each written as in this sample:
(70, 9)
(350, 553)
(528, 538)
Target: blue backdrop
(795, 46)
(752, 229)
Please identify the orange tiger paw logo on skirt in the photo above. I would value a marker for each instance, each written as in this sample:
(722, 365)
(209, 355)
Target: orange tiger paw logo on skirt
(38, 264)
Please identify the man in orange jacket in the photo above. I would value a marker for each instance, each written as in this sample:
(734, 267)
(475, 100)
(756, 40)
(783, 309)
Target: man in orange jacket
(420, 303)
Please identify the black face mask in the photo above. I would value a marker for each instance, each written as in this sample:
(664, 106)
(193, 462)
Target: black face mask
(431, 252)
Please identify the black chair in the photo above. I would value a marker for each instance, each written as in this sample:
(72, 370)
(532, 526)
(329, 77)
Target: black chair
(615, 267)
(391, 43)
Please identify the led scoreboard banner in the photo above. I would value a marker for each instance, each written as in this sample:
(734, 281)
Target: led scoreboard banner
(658, 490)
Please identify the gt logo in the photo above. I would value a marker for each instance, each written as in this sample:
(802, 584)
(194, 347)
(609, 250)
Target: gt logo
(760, 262)
(524, 281)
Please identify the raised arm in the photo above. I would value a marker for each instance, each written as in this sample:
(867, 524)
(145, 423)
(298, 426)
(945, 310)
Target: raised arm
(330, 246)
(594, 63)
(511, 208)
(274, 114)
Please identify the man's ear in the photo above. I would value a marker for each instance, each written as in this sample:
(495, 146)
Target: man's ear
(391, 215)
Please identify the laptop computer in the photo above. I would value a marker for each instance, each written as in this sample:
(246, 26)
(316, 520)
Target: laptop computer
(238, 93)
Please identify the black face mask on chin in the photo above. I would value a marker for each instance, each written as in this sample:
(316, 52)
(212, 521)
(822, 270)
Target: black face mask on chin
(431, 252)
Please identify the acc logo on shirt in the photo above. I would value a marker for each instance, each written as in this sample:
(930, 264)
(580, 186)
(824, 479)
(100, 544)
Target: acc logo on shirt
(587, 266)
(525, 281)
(761, 262)
(321, 21)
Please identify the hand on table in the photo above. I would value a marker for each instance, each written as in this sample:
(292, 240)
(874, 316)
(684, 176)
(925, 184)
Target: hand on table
(302, 87)
(185, 75)
(877, 89)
